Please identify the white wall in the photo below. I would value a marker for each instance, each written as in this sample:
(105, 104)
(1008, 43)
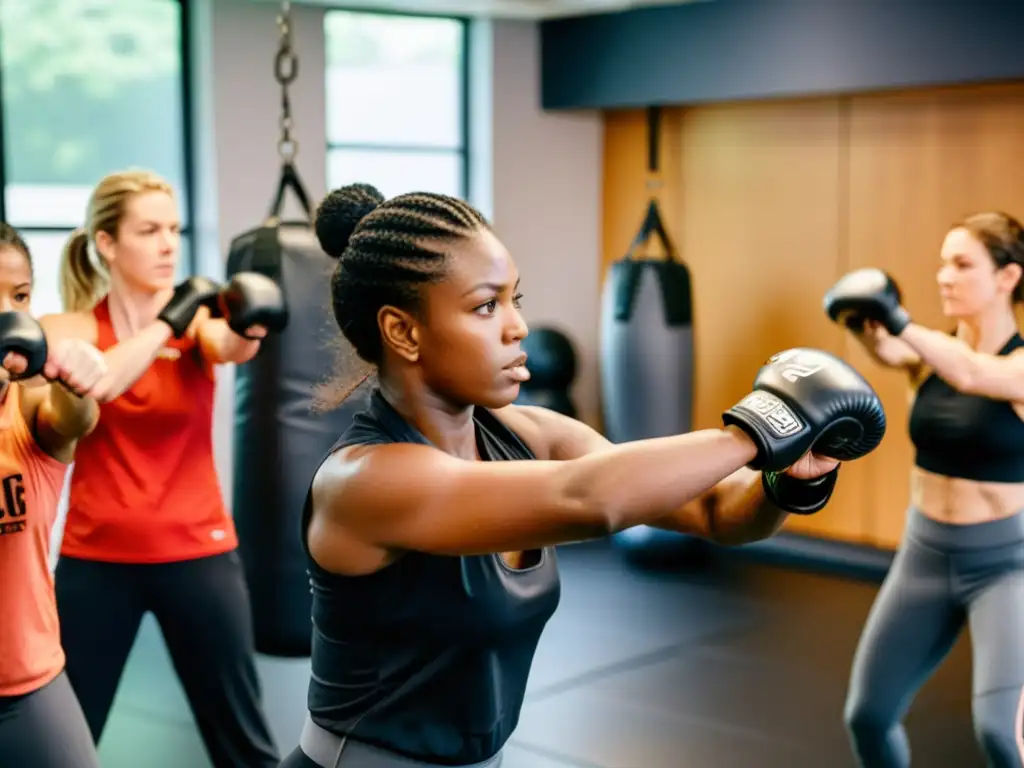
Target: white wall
(546, 177)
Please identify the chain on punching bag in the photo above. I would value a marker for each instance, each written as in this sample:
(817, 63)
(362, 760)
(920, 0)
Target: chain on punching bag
(278, 440)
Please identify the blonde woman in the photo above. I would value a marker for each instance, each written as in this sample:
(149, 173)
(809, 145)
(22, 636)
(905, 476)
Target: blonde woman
(147, 528)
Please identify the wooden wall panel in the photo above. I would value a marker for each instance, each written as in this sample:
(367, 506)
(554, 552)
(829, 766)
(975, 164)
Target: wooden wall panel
(759, 226)
(918, 161)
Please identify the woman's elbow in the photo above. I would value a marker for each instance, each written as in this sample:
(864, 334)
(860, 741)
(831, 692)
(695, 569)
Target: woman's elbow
(91, 420)
(249, 351)
(966, 381)
(591, 516)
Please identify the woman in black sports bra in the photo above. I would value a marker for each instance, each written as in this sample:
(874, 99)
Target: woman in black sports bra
(961, 560)
(430, 527)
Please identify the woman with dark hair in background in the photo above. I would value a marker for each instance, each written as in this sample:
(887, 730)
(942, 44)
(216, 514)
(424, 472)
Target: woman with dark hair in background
(147, 528)
(41, 722)
(961, 559)
(430, 526)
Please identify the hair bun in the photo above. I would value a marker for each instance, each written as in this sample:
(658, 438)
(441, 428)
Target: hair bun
(340, 212)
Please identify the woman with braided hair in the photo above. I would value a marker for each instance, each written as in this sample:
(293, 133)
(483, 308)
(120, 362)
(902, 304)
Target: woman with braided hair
(430, 526)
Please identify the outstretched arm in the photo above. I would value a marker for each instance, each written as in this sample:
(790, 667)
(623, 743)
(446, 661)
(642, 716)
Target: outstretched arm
(126, 361)
(887, 350)
(219, 344)
(448, 506)
(62, 419)
(63, 412)
(733, 511)
(965, 369)
(580, 486)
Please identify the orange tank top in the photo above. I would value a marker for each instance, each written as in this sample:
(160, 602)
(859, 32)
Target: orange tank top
(30, 649)
(144, 486)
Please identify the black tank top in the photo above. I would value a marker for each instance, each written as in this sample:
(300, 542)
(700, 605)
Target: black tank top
(968, 436)
(429, 657)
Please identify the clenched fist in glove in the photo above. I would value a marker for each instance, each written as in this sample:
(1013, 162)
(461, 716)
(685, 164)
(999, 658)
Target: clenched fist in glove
(867, 294)
(808, 400)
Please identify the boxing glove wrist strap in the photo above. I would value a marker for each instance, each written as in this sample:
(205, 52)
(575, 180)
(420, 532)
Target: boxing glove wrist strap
(797, 496)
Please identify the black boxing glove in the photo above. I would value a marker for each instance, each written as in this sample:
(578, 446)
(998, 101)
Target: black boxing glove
(797, 495)
(867, 294)
(253, 299)
(189, 296)
(21, 333)
(806, 399)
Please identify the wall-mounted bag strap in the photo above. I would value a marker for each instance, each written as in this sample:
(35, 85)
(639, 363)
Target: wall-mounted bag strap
(652, 223)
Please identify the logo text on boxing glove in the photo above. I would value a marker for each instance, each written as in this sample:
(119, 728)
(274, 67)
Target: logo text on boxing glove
(795, 371)
(779, 418)
(796, 364)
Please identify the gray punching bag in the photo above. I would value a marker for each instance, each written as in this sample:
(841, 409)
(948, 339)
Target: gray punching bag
(647, 331)
(647, 346)
(647, 361)
(278, 441)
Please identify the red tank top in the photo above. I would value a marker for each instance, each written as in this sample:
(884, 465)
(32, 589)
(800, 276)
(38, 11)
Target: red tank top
(144, 486)
(30, 486)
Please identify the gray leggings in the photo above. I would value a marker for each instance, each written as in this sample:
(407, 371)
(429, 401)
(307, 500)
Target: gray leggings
(943, 576)
(46, 729)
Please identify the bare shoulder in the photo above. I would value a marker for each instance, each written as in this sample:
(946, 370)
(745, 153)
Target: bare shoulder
(532, 424)
(552, 435)
(331, 543)
(351, 480)
(362, 489)
(70, 325)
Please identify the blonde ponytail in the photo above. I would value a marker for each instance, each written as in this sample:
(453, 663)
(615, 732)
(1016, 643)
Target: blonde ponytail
(82, 282)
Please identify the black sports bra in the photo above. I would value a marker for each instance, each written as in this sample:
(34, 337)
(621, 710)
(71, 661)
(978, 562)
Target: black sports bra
(968, 436)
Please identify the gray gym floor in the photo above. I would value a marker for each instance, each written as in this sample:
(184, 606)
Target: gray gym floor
(730, 663)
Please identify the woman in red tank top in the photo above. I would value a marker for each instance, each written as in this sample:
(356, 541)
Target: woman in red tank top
(147, 527)
(41, 722)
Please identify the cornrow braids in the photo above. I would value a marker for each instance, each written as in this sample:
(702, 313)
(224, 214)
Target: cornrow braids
(386, 250)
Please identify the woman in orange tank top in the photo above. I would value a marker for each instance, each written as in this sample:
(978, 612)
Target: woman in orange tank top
(41, 722)
(147, 528)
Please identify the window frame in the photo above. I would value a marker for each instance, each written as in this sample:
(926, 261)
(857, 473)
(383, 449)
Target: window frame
(462, 151)
(185, 51)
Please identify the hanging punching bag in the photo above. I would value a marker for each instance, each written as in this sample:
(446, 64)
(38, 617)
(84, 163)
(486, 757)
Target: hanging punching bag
(278, 441)
(647, 356)
(647, 344)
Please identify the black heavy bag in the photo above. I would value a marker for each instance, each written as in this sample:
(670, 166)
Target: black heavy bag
(552, 366)
(278, 441)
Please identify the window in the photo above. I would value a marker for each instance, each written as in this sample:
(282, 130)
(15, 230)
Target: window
(396, 102)
(88, 87)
